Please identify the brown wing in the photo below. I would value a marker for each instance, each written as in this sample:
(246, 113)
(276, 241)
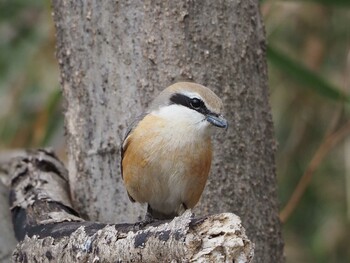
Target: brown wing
(125, 139)
(125, 144)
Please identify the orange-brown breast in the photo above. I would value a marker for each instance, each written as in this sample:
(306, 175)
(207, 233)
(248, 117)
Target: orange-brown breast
(163, 169)
(199, 171)
(136, 159)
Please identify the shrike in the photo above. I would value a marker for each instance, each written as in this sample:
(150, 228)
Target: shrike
(166, 154)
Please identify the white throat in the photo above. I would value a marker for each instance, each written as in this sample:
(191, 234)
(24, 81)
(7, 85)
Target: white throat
(188, 121)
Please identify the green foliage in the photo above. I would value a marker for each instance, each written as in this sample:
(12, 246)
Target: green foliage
(304, 76)
(345, 3)
(309, 80)
(30, 114)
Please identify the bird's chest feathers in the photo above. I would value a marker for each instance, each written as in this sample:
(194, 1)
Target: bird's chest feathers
(174, 160)
(173, 147)
(178, 140)
(169, 161)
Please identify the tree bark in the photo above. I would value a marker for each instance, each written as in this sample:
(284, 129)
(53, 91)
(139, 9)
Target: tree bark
(7, 239)
(50, 230)
(115, 56)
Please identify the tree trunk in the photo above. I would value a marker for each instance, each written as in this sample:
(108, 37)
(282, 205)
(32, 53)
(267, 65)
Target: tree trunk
(115, 56)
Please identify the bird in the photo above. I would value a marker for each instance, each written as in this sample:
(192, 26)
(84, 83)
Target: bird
(166, 153)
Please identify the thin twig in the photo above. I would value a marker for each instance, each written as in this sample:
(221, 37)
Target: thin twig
(329, 142)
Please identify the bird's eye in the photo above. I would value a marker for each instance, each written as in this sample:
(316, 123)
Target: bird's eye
(195, 103)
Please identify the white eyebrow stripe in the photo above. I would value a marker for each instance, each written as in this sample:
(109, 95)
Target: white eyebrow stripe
(191, 94)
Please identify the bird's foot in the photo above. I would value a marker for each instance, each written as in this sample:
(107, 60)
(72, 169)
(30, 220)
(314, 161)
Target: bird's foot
(148, 220)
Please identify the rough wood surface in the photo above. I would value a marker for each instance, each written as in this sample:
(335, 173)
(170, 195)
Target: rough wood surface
(49, 230)
(7, 238)
(115, 56)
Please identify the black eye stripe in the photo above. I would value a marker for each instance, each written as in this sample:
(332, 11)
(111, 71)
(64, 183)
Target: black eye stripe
(186, 101)
(180, 99)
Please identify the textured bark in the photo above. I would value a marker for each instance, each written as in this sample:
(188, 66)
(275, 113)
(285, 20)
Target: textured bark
(49, 230)
(7, 239)
(116, 55)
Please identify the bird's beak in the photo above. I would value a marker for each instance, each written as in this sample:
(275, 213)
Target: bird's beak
(217, 121)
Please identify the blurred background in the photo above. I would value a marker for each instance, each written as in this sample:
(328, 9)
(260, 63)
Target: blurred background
(309, 71)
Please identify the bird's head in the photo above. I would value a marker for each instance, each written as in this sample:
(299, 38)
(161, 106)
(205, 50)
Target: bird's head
(190, 104)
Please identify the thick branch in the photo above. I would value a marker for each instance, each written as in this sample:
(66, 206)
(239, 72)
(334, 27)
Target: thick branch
(50, 230)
